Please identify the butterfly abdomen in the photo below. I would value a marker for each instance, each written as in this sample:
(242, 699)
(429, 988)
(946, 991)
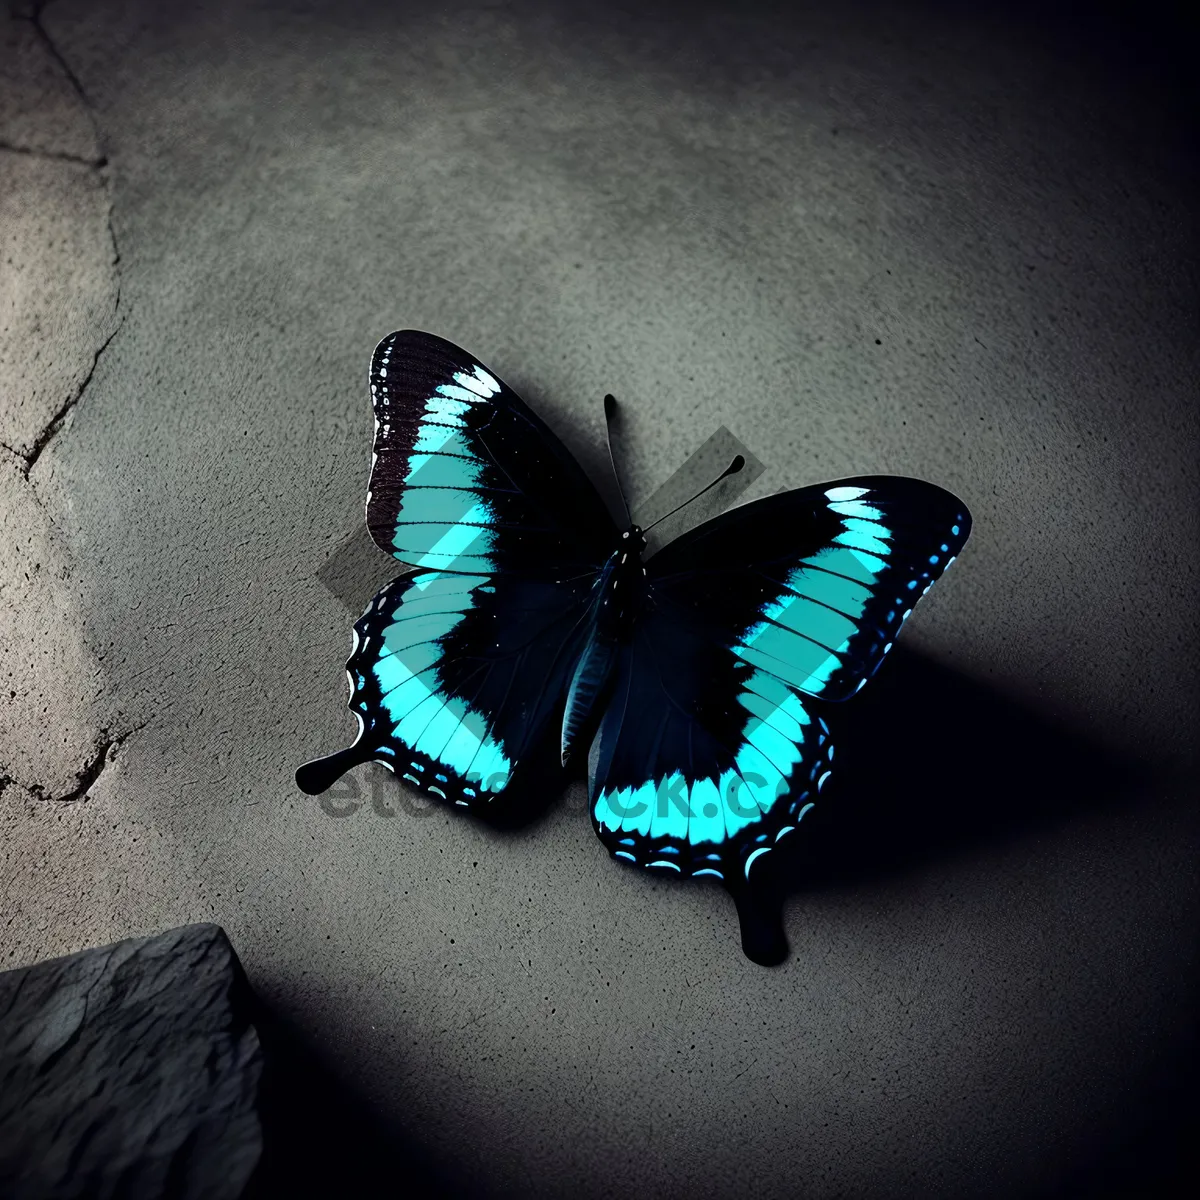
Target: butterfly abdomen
(588, 689)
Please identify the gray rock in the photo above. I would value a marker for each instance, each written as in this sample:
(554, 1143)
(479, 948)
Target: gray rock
(129, 1070)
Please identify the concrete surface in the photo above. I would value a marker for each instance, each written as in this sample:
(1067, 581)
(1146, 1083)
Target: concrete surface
(863, 238)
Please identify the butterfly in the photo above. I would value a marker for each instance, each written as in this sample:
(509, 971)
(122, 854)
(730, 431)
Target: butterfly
(533, 630)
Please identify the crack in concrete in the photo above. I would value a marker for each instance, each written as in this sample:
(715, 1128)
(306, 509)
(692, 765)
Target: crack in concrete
(54, 155)
(34, 17)
(105, 746)
(86, 777)
(55, 423)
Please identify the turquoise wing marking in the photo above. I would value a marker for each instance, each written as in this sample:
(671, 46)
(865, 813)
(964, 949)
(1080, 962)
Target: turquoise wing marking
(701, 766)
(821, 611)
(465, 478)
(454, 683)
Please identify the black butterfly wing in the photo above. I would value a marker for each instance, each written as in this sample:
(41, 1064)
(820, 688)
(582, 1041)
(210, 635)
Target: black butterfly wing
(455, 678)
(458, 668)
(699, 764)
(465, 477)
(710, 752)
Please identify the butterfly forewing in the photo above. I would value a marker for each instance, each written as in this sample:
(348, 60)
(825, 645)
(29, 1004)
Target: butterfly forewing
(455, 679)
(813, 585)
(466, 477)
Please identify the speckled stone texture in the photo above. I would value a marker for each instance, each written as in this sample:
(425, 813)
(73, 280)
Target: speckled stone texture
(129, 1072)
(949, 241)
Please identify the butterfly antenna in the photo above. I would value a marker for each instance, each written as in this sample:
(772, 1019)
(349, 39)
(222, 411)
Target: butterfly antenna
(610, 419)
(734, 467)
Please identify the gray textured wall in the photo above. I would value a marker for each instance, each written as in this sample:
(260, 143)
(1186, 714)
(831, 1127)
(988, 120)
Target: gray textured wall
(864, 238)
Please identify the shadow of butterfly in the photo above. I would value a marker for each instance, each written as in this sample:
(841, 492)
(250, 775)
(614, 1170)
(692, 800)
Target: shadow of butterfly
(534, 629)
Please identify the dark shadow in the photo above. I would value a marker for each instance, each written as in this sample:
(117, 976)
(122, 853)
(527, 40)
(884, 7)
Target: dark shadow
(540, 787)
(322, 1139)
(1155, 1156)
(930, 764)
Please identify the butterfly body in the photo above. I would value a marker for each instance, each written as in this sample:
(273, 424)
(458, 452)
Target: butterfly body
(620, 598)
(622, 588)
(532, 628)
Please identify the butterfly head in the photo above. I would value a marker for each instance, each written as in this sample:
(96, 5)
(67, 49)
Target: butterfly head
(633, 540)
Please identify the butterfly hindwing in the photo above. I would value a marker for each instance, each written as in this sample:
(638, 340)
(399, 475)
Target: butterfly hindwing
(454, 677)
(797, 595)
(465, 477)
(700, 762)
